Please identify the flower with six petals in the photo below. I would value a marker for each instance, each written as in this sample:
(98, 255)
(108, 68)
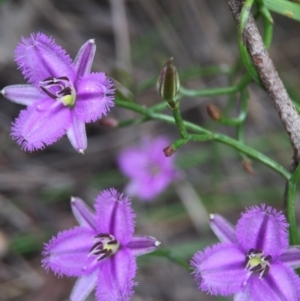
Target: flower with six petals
(61, 95)
(149, 170)
(253, 260)
(101, 251)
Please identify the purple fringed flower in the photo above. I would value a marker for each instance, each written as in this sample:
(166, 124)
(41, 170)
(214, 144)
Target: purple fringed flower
(101, 251)
(253, 262)
(61, 95)
(148, 168)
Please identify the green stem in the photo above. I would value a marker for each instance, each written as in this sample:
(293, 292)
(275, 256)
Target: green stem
(245, 80)
(241, 147)
(291, 198)
(179, 121)
(165, 253)
(243, 114)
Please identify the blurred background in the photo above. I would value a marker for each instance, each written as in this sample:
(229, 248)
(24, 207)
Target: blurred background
(134, 39)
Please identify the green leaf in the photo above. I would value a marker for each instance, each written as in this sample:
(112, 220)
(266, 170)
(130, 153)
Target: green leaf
(283, 7)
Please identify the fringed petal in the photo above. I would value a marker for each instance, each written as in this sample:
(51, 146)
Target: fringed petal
(94, 97)
(281, 284)
(115, 280)
(39, 57)
(84, 59)
(220, 269)
(263, 228)
(22, 94)
(114, 215)
(67, 254)
(41, 124)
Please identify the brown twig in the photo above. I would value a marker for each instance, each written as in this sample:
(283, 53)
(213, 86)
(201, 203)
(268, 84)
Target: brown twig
(270, 78)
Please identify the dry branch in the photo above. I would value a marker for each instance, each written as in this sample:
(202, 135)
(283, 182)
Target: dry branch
(270, 78)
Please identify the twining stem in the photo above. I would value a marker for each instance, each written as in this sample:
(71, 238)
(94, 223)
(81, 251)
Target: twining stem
(241, 147)
(291, 198)
(269, 76)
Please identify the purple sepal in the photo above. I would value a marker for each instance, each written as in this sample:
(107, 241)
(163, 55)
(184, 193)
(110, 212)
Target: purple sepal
(83, 214)
(77, 135)
(84, 286)
(291, 257)
(222, 228)
(84, 59)
(140, 245)
(22, 94)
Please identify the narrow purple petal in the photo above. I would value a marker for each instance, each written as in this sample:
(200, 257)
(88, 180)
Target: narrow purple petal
(115, 281)
(41, 124)
(114, 215)
(84, 59)
(291, 257)
(94, 97)
(220, 269)
(22, 94)
(83, 214)
(84, 286)
(39, 57)
(244, 295)
(67, 253)
(222, 228)
(140, 245)
(281, 284)
(77, 135)
(263, 228)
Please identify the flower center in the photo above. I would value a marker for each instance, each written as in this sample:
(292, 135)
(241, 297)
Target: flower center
(257, 263)
(105, 245)
(153, 169)
(59, 88)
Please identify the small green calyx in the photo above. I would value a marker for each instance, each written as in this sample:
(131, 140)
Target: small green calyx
(168, 82)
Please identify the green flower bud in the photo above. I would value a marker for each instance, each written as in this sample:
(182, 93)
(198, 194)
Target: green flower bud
(168, 82)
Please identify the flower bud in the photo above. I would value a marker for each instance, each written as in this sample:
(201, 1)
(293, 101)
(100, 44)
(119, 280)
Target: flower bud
(168, 82)
(214, 112)
(169, 151)
(248, 167)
